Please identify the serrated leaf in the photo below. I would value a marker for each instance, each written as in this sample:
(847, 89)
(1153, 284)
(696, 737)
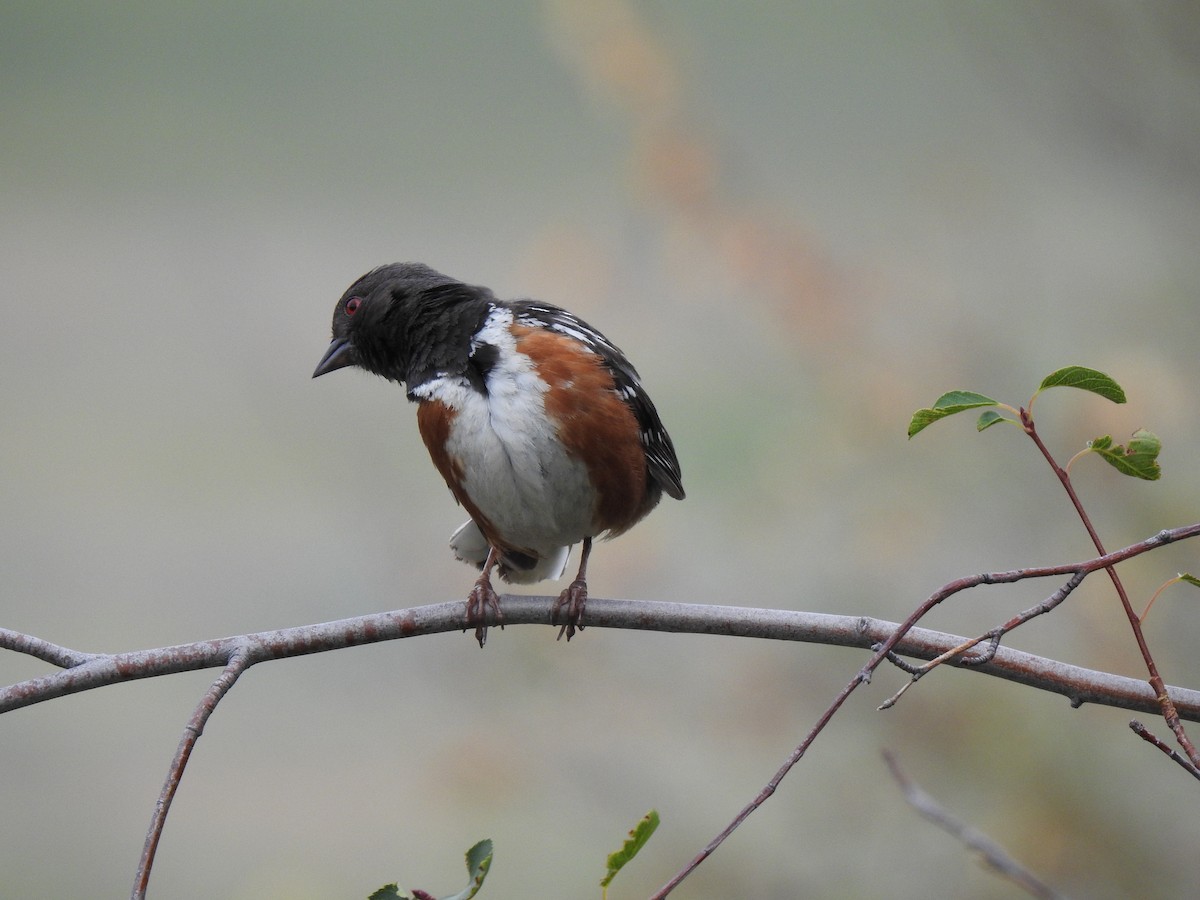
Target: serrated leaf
(1138, 460)
(638, 836)
(479, 860)
(1086, 380)
(389, 892)
(947, 405)
(989, 418)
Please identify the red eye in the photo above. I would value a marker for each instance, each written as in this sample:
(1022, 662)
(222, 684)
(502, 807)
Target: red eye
(352, 305)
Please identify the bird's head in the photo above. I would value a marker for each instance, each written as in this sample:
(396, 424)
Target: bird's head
(382, 320)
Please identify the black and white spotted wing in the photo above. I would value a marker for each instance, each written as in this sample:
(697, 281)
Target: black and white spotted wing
(661, 461)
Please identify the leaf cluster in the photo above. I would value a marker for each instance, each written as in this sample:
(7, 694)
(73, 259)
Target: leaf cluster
(1139, 459)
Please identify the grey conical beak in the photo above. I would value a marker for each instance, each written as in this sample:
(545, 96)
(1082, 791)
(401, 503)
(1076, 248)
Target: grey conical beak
(339, 355)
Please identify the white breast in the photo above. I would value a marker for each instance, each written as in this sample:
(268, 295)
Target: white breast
(516, 472)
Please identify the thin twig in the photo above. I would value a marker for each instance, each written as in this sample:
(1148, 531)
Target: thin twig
(238, 663)
(994, 636)
(1150, 738)
(63, 657)
(1169, 713)
(769, 789)
(992, 854)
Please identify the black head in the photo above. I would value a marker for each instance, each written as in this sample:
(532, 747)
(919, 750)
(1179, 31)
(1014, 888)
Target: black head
(404, 321)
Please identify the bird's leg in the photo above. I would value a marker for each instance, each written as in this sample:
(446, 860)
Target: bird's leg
(482, 597)
(574, 598)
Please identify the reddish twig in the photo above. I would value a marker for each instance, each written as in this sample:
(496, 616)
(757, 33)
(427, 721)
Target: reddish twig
(1079, 570)
(1146, 735)
(1170, 714)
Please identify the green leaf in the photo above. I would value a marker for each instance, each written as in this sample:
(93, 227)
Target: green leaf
(389, 892)
(479, 860)
(1139, 459)
(635, 842)
(989, 418)
(1085, 379)
(957, 401)
(1190, 579)
(947, 405)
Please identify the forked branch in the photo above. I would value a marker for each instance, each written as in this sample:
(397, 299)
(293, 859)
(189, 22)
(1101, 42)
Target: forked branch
(84, 671)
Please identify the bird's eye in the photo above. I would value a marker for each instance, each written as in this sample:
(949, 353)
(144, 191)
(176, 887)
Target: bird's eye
(352, 305)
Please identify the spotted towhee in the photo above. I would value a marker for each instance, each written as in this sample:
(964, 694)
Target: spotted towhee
(538, 423)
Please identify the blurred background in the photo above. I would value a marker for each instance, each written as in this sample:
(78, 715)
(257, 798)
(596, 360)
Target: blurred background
(801, 221)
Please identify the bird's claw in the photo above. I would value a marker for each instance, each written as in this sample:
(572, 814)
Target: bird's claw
(482, 598)
(574, 599)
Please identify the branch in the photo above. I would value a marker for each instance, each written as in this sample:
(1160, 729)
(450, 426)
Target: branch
(1077, 684)
(83, 671)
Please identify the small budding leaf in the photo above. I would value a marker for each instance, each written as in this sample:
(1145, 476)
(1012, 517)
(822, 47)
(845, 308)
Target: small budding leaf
(989, 418)
(389, 892)
(1139, 459)
(638, 836)
(947, 405)
(479, 860)
(1085, 379)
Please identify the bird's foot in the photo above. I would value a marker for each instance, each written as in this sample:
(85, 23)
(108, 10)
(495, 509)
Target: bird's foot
(574, 599)
(482, 598)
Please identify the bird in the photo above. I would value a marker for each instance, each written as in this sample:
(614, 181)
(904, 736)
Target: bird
(538, 423)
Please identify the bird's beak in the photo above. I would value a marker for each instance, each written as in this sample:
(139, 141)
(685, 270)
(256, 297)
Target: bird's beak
(339, 355)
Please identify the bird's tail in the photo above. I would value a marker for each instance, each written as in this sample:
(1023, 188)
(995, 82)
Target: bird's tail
(469, 545)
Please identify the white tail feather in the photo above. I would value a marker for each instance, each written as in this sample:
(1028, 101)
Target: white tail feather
(470, 546)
